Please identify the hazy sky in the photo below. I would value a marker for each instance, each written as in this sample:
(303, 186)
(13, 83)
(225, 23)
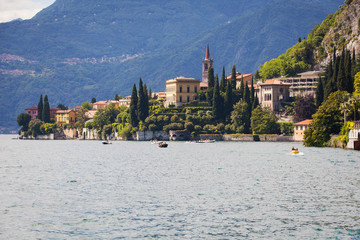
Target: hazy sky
(25, 9)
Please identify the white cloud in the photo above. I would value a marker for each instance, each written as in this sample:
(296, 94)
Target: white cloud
(25, 9)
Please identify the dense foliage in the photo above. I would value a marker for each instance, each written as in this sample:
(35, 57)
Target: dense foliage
(327, 120)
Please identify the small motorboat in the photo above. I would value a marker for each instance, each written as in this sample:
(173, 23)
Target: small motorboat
(162, 144)
(295, 151)
(206, 141)
(106, 142)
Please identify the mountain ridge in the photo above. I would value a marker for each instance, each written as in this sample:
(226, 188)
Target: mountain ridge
(48, 40)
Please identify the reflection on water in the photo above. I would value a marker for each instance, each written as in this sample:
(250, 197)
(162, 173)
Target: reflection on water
(222, 190)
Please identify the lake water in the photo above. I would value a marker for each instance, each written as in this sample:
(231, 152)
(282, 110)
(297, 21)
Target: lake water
(222, 190)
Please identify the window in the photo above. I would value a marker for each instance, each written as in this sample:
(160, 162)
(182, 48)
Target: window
(195, 89)
(180, 90)
(180, 98)
(267, 97)
(188, 99)
(188, 89)
(206, 66)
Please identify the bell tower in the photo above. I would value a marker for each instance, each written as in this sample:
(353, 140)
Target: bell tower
(206, 64)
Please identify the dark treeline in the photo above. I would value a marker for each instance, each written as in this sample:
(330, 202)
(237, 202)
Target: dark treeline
(222, 97)
(339, 75)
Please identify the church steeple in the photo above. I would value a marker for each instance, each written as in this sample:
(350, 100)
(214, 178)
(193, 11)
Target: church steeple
(207, 55)
(206, 64)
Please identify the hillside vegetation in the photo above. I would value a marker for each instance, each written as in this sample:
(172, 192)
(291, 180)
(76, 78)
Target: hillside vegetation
(339, 30)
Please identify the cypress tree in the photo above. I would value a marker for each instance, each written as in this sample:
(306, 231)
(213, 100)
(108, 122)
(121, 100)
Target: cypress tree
(319, 93)
(211, 82)
(141, 111)
(348, 70)
(353, 64)
(40, 108)
(247, 99)
(252, 91)
(223, 81)
(217, 106)
(233, 77)
(46, 110)
(146, 104)
(93, 100)
(341, 75)
(133, 107)
(242, 88)
(255, 102)
(329, 86)
(228, 104)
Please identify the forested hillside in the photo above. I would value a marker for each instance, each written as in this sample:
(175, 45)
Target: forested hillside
(338, 32)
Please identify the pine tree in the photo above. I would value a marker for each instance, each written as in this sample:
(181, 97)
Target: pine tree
(223, 80)
(217, 106)
(40, 108)
(116, 98)
(46, 110)
(228, 104)
(211, 82)
(233, 77)
(133, 107)
(141, 111)
(319, 93)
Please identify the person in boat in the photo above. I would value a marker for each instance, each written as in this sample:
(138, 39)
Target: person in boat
(294, 149)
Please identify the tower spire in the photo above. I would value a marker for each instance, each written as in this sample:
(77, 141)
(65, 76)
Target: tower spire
(207, 55)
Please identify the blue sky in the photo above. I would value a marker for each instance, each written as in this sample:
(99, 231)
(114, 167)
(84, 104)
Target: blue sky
(25, 9)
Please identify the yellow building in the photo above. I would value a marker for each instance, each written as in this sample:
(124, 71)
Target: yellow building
(181, 90)
(65, 116)
(299, 129)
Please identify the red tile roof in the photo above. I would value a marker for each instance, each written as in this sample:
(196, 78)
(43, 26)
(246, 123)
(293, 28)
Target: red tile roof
(305, 122)
(275, 82)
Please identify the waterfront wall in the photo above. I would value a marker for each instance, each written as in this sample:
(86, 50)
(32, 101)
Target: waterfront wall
(150, 135)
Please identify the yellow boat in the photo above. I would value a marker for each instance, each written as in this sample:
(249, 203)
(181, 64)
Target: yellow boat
(294, 152)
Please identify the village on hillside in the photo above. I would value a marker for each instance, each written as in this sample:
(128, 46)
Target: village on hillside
(271, 94)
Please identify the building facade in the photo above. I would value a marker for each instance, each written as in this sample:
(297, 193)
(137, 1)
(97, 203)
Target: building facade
(299, 129)
(33, 112)
(65, 116)
(181, 90)
(303, 85)
(272, 93)
(246, 78)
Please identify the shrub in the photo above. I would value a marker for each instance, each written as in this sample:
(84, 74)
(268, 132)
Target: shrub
(153, 127)
(173, 126)
(189, 126)
(197, 128)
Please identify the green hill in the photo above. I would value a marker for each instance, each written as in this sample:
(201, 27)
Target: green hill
(338, 31)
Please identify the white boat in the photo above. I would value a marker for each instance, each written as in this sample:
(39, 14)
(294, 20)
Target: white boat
(206, 141)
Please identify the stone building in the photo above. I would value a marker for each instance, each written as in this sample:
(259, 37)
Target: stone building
(272, 93)
(303, 85)
(181, 90)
